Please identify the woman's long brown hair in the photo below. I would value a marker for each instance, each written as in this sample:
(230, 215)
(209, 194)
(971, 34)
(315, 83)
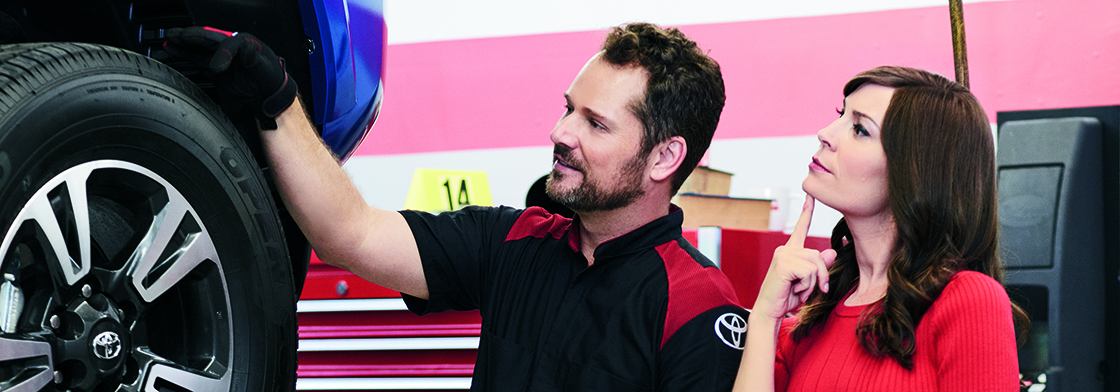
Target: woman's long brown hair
(941, 178)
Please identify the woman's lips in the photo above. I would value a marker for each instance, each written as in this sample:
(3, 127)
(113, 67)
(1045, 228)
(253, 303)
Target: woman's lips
(816, 165)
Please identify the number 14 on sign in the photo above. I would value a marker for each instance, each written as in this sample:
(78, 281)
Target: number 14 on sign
(446, 190)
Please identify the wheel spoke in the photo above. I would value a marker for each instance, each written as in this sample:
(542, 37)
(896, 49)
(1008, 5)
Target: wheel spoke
(33, 357)
(162, 373)
(79, 201)
(174, 245)
(75, 214)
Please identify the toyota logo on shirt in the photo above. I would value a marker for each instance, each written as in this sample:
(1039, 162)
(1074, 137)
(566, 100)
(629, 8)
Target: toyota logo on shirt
(732, 330)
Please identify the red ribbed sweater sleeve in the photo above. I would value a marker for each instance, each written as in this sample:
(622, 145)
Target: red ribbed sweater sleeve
(965, 342)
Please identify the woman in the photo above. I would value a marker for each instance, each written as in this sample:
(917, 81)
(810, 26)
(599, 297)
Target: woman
(909, 297)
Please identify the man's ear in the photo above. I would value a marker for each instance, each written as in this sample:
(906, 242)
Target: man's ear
(668, 156)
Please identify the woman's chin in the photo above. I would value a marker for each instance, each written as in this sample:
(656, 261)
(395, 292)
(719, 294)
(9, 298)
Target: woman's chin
(811, 187)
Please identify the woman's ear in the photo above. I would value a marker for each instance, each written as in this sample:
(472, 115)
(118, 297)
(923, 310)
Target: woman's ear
(669, 156)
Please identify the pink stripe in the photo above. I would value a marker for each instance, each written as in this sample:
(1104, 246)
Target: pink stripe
(410, 370)
(783, 76)
(387, 331)
(222, 32)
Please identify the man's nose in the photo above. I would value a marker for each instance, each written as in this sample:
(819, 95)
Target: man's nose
(562, 132)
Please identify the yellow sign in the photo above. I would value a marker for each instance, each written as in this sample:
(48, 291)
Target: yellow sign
(446, 190)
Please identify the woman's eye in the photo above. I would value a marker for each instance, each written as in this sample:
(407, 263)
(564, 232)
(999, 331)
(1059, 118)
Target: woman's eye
(861, 130)
(840, 112)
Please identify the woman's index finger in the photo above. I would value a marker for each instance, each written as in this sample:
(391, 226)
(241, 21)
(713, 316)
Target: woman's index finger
(801, 229)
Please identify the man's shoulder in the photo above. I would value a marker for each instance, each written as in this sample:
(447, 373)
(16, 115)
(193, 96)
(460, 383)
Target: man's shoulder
(466, 223)
(695, 288)
(466, 213)
(692, 275)
(536, 222)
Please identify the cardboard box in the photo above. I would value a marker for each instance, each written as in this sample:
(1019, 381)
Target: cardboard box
(707, 181)
(723, 211)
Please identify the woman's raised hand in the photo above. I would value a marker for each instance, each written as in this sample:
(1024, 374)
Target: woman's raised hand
(794, 271)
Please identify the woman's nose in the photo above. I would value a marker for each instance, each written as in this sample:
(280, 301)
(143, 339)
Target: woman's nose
(824, 137)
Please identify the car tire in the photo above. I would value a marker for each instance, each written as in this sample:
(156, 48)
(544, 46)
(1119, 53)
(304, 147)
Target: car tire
(140, 245)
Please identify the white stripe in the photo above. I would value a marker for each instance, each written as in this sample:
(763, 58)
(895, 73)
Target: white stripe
(384, 180)
(376, 384)
(350, 305)
(307, 345)
(412, 21)
(757, 164)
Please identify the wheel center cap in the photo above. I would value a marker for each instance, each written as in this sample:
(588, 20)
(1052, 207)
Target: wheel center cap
(107, 345)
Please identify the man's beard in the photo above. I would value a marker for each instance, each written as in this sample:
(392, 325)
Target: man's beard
(589, 196)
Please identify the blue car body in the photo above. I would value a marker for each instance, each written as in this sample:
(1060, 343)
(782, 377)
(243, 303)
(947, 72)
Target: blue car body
(347, 67)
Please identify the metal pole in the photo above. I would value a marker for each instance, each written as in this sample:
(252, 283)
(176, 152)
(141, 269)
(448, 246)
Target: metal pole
(960, 54)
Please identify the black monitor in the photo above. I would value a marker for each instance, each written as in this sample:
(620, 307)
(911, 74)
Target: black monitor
(1059, 208)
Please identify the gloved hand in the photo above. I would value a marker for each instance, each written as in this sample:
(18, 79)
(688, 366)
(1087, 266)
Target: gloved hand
(242, 67)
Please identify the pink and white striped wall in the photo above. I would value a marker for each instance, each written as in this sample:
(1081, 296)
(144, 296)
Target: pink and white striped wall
(478, 85)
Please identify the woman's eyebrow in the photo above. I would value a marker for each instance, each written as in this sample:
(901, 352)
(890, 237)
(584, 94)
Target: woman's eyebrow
(869, 119)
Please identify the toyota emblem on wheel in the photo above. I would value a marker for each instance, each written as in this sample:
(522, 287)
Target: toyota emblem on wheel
(107, 345)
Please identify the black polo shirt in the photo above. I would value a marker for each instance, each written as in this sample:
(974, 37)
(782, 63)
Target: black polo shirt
(651, 313)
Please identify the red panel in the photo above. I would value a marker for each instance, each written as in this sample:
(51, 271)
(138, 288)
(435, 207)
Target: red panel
(395, 331)
(389, 363)
(745, 257)
(324, 281)
(693, 289)
(387, 324)
(390, 370)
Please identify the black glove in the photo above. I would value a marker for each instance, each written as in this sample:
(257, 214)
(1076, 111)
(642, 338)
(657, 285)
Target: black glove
(242, 66)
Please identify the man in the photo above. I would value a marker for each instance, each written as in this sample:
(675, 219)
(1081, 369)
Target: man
(612, 300)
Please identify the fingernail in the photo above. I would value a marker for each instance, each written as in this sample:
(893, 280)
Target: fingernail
(824, 287)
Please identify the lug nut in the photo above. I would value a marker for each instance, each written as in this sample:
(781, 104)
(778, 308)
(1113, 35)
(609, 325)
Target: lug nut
(87, 291)
(57, 377)
(55, 322)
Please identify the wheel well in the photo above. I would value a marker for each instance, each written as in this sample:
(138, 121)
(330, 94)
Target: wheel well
(138, 26)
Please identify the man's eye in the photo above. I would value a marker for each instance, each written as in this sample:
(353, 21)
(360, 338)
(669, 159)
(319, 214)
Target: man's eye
(595, 124)
(568, 109)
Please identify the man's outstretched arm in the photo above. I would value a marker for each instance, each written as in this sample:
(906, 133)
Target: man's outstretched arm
(344, 231)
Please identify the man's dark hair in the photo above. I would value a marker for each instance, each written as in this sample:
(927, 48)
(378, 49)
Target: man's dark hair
(684, 95)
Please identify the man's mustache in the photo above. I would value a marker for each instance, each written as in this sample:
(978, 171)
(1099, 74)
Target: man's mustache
(565, 154)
